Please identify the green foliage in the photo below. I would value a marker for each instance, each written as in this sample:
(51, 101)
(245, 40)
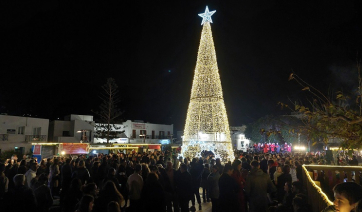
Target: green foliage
(274, 129)
(336, 118)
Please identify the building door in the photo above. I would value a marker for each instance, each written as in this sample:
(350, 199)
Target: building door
(153, 134)
(133, 133)
(162, 135)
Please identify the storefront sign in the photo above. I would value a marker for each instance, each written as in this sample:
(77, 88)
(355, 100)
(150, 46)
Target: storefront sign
(74, 148)
(37, 150)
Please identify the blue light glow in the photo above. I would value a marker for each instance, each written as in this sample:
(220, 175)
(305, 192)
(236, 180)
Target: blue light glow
(165, 141)
(206, 16)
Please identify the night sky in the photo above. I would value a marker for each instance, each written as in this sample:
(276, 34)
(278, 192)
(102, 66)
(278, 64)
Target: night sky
(55, 55)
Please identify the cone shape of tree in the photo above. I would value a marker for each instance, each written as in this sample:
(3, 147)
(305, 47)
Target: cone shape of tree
(207, 126)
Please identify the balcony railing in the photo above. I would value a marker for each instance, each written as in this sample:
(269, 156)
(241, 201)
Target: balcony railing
(31, 138)
(319, 181)
(4, 137)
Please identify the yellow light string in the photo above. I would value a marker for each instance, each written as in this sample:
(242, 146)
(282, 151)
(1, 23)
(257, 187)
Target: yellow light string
(90, 148)
(46, 144)
(207, 125)
(319, 190)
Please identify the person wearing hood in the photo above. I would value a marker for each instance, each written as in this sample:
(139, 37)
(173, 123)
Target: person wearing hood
(258, 184)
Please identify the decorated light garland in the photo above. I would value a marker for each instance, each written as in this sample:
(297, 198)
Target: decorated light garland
(207, 126)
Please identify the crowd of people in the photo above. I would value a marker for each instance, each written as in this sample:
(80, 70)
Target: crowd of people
(158, 181)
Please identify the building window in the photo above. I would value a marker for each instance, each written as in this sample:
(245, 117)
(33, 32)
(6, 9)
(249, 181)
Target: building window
(66, 133)
(37, 131)
(143, 132)
(153, 134)
(21, 130)
(10, 131)
(133, 133)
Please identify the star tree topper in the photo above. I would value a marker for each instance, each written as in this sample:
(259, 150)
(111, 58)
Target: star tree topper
(206, 16)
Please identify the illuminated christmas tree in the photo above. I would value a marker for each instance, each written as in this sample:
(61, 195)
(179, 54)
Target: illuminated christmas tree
(207, 126)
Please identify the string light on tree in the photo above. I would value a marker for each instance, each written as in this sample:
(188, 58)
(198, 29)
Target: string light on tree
(207, 126)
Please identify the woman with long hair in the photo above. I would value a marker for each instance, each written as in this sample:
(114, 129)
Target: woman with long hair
(277, 173)
(236, 165)
(42, 168)
(81, 173)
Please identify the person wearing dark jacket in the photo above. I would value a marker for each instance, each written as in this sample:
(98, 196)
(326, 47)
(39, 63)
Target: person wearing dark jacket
(11, 174)
(112, 177)
(354, 161)
(81, 173)
(282, 179)
(102, 171)
(122, 179)
(108, 194)
(205, 190)
(20, 198)
(22, 168)
(72, 197)
(218, 163)
(169, 177)
(245, 164)
(264, 164)
(42, 193)
(229, 189)
(272, 167)
(196, 173)
(299, 171)
(184, 187)
(237, 176)
(258, 184)
(153, 195)
(66, 175)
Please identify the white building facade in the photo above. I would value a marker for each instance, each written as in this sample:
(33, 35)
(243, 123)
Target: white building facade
(140, 132)
(73, 129)
(18, 132)
(239, 141)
